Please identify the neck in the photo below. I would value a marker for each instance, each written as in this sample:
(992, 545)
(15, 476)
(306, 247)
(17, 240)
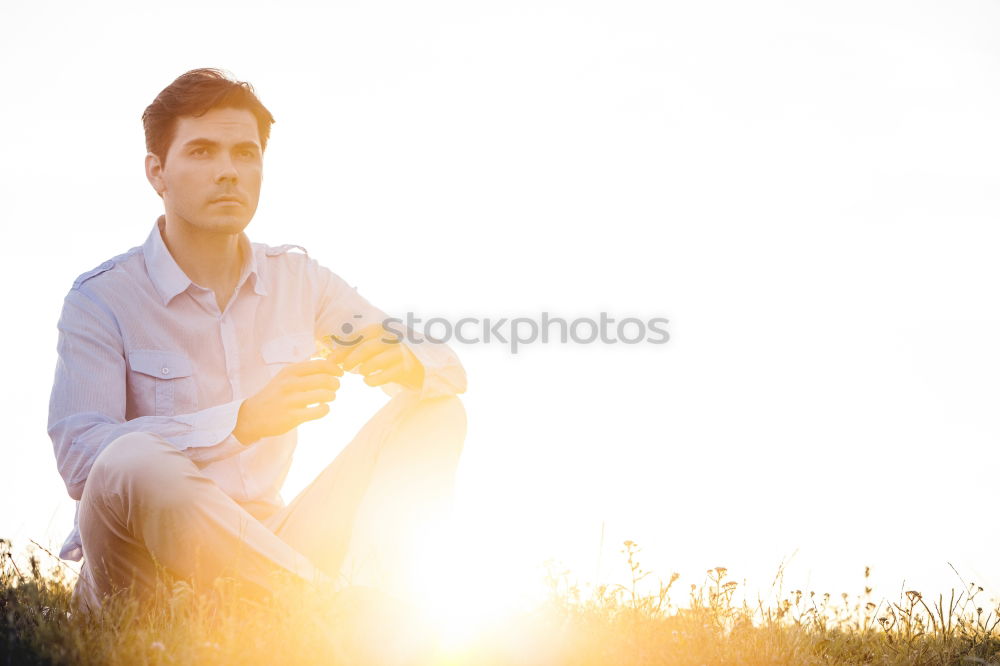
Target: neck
(212, 260)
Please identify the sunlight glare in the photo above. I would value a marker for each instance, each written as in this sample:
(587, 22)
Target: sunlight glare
(465, 586)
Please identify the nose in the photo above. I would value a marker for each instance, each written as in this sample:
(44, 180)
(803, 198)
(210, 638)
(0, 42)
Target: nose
(225, 169)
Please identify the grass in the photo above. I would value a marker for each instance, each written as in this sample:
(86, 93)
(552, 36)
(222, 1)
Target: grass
(615, 624)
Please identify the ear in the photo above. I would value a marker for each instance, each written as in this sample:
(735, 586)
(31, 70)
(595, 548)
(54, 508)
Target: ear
(154, 174)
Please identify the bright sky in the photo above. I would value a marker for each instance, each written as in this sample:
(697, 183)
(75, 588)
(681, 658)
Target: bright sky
(807, 191)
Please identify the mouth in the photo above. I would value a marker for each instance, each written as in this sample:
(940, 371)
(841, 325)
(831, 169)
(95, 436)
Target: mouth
(227, 200)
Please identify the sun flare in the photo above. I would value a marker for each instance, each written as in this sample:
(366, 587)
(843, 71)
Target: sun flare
(465, 585)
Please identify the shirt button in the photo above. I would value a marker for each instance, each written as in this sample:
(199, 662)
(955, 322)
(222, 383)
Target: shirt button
(165, 371)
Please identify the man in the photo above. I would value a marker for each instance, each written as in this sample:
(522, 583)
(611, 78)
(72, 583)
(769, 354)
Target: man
(185, 365)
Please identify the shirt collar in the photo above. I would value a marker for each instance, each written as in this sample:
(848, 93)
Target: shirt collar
(169, 279)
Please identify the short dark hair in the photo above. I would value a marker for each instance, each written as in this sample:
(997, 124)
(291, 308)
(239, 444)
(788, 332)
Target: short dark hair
(195, 93)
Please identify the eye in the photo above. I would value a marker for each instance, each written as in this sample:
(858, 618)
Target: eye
(248, 154)
(199, 151)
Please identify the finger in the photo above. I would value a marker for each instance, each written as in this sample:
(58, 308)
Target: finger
(375, 335)
(366, 351)
(382, 361)
(310, 413)
(360, 354)
(345, 344)
(313, 366)
(312, 397)
(311, 383)
(392, 374)
(341, 350)
(408, 372)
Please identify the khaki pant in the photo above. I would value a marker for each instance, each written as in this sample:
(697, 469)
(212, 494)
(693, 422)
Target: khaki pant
(145, 502)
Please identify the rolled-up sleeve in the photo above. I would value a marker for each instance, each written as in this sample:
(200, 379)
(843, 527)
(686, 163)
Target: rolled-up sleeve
(87, 404)
(342, 311)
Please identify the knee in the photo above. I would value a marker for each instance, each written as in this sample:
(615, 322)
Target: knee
(128, 456)
(135, 463)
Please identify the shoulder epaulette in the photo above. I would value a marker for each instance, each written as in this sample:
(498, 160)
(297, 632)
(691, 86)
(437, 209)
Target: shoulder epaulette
(107, 265)
(281, 249)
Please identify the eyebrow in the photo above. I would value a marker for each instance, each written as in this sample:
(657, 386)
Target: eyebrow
(215, 144)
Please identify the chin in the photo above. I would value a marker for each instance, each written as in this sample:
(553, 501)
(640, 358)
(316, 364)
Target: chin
(224, 224)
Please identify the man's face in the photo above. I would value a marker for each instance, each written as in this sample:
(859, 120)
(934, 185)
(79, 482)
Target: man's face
(213, 170)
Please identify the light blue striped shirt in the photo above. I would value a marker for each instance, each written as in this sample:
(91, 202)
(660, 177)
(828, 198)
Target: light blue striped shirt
(143, 348)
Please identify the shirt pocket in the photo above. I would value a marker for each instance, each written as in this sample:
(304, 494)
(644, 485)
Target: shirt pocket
(164, 382)
(287, 349)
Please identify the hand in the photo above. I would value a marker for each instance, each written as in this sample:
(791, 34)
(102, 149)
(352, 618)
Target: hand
(381, 357)
(282, 404)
